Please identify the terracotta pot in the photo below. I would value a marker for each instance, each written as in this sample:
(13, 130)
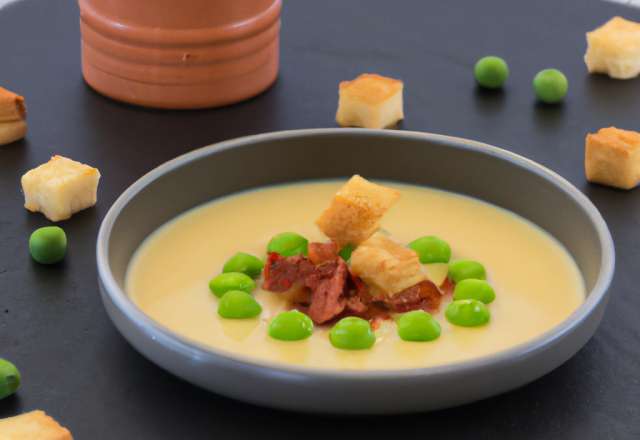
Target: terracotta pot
(180, 54)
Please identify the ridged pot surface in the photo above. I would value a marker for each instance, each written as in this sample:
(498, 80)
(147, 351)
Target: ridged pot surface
(180, 54)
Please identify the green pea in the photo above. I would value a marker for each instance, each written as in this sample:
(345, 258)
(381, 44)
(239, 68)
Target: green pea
(431, 249)
(467, 313)
(9, 378)
(418, 326)
(345, 253)
(352, 333)
(474, 289)
(236, 304)
(291, 326)
(466, 269)
(48, 245)
(244, 263)
(288, 244)
(231, 281)
(550, 85)
(491, 72)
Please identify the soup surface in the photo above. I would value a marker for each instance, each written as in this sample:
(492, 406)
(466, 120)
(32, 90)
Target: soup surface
(537, 283)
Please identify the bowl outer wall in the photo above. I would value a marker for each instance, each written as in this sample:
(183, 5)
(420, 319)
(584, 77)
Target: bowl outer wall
(466, 167)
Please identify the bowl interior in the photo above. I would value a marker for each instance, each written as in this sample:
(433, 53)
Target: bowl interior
(465, 167)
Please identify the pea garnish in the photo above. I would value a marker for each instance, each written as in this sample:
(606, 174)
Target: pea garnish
(418, 326)
(244, 263)
(236, 304)
(466, 269)
(224, 282)
(352, 333)
(431, 249)
(48, 245)
(291, 326)
(345, 253)
(474, 289)
(467, 313)
(288, 244)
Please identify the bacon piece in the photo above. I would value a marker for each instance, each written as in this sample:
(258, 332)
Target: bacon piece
(297, 293)
(327, 286)
(281, 273)
(448, 286)
(423, 296)
(356, 304)
(326, 281)
(320, 253)
(377, 320)
(360, 304)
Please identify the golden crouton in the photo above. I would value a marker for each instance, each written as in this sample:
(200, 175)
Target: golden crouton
(370, 101)
(355, 211)
(60, 188)
(35, 425)
(11, 131)
(612, 157)
(386, 264)
(12, 107)
(12, 113)
(614, 49)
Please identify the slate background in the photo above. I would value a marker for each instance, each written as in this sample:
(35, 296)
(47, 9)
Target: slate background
(76, 366)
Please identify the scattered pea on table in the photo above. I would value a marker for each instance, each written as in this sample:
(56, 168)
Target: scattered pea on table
(9, 378)
(491, 72)
(48, 245)
(550, 85)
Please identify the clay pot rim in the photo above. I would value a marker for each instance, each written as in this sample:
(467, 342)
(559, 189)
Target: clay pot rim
(130, 33)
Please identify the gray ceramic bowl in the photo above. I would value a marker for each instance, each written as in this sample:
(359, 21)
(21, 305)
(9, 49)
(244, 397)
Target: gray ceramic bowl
(466, 167)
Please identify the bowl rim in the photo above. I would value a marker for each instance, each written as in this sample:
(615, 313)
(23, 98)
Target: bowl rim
(177, 342)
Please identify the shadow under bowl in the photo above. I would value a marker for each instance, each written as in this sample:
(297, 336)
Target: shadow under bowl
(466, 167)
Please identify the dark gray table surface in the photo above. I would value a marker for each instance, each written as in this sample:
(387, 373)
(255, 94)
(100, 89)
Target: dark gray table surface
(77, 367)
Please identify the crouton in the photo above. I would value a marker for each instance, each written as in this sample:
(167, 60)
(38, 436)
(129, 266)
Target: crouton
(34, 425)
(60, 188)
(12, 113)
(370, 101)
(356, 210)
(612, 157)
(387, 265)
(614, 49)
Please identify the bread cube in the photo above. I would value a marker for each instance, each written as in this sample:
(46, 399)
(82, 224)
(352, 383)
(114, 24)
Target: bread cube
(386, 264)
(612, 157)
(11, 131)
(60, 188)
(35, 425)
(12, 106)
(356, 210)
(370, 101)
(12, 113)
(614, 49)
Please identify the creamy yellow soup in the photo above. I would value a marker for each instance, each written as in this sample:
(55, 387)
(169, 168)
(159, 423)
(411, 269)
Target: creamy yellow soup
(537, 283)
